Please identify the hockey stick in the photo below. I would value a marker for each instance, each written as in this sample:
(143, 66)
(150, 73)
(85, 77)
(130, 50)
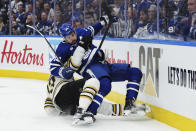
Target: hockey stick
(108, 13)
(47, 42)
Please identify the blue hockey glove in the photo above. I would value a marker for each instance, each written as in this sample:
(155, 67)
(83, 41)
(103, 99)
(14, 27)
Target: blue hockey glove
(67, 73)
(85, 42)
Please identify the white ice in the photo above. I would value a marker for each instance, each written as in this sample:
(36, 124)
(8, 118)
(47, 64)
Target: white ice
(21, 109)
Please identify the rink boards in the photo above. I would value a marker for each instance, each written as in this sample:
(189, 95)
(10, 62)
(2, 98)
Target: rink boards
(169, 73)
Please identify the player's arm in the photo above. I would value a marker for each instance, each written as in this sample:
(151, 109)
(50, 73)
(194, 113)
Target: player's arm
(83, 46)
(104, 20)
(57, 69)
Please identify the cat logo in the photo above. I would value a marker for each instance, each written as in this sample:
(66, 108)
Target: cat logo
(149, 65)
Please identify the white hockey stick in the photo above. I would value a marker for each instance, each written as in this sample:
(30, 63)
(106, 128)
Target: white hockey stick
(34, 28)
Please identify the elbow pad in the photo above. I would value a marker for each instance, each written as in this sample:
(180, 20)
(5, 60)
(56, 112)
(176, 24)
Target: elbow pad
(76, 59)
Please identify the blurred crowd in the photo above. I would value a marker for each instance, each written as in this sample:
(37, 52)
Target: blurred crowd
(171, 19)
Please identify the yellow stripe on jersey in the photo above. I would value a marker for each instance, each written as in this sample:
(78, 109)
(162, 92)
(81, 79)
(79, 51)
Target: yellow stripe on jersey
(120, 110)
(90, 92)
(114, 109)
(48, 98)
(91, 87)
(84, 96)
(48, 102)
(72, 64)
(49, 106)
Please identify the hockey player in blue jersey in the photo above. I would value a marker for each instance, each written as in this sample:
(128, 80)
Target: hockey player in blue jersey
(78, 54)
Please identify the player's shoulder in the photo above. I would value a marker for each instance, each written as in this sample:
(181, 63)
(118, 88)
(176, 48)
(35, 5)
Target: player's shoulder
(63, 46)
(79, 30)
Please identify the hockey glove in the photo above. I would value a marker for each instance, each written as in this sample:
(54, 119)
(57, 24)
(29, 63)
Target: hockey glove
(67, 73)
(100, 56)
(85, 42)
(105, 20)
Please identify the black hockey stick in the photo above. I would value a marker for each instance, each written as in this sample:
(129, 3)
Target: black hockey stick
(108, 13)
(47, 42)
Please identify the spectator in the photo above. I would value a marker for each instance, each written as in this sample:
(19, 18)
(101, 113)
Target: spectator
(53, 30)
(3, 11)
(66, 8)
(44, 26)
(20, 15)
(48, 10)
(89, 19)
(29, 9)
(142, 24)
(116, 28)
(2, 27)
(39, 9)
(187, 26)
(58, 9)
(131, 22)
(15, 28)
(51, 17)
(183, 11)
(168, 20)
(29, 21)
(152, 23)
(14, 5)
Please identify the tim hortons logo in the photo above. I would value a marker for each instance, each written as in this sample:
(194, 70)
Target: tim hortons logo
(24, 56)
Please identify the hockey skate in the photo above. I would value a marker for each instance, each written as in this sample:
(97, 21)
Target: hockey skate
(132, 109)
(83, 118)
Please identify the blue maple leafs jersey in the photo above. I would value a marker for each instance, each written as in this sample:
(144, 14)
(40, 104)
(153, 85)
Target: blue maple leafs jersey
(66, 50)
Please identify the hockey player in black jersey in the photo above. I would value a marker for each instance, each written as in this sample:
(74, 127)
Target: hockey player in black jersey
(69, 98)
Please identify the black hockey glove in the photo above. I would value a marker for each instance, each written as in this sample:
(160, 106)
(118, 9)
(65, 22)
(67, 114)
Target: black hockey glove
(100, 56)
(85, 42)
(106, 19)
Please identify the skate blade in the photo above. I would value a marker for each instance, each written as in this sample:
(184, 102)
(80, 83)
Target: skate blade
(75, 122)
(79, 122)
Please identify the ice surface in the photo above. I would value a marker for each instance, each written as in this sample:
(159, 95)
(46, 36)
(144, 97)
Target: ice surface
(21, 109)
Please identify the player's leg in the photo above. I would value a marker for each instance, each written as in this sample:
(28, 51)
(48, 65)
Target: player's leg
(100, 71)
(66, 95)
(90, 89)
(109, 109)
(121, 72)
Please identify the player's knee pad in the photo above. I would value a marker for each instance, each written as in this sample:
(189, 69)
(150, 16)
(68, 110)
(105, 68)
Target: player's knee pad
(135, 74)
(93, 83)
(90, 89)
(105, 86)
